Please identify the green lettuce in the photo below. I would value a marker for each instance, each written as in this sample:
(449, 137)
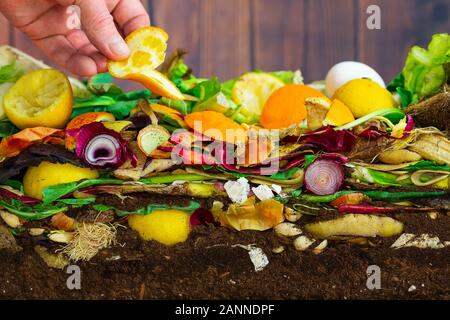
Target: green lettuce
(148, 209)
(102, 84)
(424, 72)
(56, 192)
(7, 128)
(9, 73)
(289, 77)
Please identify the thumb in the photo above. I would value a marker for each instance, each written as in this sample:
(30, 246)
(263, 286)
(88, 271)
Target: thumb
(98, 24)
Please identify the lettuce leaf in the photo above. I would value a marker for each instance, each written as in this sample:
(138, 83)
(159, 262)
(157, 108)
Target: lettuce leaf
(56, 192)
(424, 71)
(7, 128)
(148, 209)
(33, 212)
(289, 77)
(9, 73)
(206, 89)
(285, 175)
(77, 202)
(102, 84)
(427, 165)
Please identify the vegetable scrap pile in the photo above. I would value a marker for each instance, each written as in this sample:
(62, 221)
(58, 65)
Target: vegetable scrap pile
(259, 152)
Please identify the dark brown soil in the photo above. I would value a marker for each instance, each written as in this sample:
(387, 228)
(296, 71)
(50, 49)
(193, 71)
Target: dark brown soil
(208, 267)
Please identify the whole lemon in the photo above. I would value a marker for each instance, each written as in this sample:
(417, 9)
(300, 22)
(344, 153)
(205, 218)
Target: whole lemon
(47, 174)
(168, 227)
(364, 96)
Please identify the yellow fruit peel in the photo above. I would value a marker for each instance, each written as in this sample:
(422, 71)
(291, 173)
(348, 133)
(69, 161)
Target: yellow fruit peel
(363, 96)
(14, 144)
(338, 115)
(148, 47)
(41, 98)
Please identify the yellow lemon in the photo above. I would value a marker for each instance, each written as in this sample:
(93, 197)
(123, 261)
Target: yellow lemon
(363, 96)
(168, 227)
(41, 98)
(47, 174)
(338, 115)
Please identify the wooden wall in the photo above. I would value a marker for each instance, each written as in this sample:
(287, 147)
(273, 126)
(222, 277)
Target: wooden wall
(228, 37)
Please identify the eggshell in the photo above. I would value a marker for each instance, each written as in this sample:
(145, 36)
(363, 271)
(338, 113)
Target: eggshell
(345, 71)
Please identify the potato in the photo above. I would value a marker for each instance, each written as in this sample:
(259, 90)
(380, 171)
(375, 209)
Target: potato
(356, 225)
(399, 156)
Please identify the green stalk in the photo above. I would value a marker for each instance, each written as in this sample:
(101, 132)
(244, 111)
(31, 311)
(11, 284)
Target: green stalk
(378, 113)
(400, 196)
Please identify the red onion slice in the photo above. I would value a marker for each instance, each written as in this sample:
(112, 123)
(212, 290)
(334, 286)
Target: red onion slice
(324, 177)
(101, 147)
(101, 150)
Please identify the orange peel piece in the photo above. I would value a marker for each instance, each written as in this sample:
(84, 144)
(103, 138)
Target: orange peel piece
(14, 144)
(148, 47)
(215, 125)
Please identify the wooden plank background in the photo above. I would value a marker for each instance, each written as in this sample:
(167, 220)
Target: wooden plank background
(228, 37)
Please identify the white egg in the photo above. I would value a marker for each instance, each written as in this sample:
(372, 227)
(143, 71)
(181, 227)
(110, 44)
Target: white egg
(345, 71)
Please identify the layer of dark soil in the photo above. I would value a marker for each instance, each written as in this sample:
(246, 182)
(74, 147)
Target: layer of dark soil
(207, 266)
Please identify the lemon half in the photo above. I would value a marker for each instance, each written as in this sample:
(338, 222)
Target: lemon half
(253, 89)
(148, 47)
(41, 98)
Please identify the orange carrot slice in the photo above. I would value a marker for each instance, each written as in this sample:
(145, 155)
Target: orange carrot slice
(286, 106)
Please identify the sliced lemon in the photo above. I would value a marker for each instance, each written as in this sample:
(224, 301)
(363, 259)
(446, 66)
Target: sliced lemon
(151, 137)
(252, 91)
(338, 115)
(147, 52)
(41, 98)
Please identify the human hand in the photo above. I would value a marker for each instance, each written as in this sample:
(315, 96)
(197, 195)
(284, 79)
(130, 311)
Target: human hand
(81, 51)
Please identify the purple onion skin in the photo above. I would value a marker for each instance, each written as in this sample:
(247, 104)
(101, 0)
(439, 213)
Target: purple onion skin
(330, 140)
(335, 176)
(373, 133)
(410, 124)
(87, 133)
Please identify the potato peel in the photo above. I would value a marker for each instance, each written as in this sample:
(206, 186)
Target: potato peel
(357, 226)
